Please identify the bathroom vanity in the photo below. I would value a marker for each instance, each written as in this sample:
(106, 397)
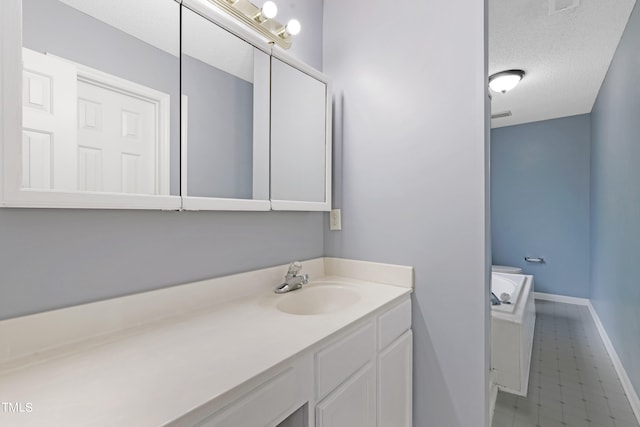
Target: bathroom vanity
(222, 352)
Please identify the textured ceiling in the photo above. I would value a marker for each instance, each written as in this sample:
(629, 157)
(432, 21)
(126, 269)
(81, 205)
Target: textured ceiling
(565, 54)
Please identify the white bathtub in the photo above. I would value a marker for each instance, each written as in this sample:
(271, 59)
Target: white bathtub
(512, 332)
(511, 284)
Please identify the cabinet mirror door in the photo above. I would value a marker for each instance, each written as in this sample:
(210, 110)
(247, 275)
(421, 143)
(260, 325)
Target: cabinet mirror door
(300, 138)
(225, 119)
(100, 104)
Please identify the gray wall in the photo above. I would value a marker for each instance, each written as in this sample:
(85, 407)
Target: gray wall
(615, 200)
(53, 27)
(411, 148)
(57, 258)
(220, 131)
(540, 201)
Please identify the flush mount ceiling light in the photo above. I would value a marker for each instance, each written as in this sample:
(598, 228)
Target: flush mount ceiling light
(261, 19)
(504, 81)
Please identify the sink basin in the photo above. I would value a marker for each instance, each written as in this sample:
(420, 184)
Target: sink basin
(319, 298)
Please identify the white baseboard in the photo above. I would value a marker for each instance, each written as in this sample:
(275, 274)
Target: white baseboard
(561, 298)
(634, 400)
(617, 363)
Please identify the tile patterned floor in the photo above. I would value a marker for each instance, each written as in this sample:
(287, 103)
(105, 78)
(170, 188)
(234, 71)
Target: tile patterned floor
(572, 381)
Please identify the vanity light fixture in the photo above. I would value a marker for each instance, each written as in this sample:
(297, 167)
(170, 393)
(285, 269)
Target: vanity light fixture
(504, 81)
(261, 19)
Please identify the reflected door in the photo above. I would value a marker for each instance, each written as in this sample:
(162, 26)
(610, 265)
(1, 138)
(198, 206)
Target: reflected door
(116, 141)
(86, 130)
(48, 117)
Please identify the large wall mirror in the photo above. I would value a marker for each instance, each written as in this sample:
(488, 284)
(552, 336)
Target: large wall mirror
(225, 118)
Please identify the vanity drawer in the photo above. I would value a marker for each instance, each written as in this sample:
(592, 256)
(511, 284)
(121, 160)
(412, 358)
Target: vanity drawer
(338, 361)
(394, 323)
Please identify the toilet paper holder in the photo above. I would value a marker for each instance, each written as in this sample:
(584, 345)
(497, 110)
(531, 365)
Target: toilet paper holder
(538, 260)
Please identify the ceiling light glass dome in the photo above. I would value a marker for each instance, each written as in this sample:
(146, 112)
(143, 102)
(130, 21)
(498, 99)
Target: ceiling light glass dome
(504, 81)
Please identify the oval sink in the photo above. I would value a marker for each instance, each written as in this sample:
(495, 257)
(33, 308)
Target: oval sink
(318, 298)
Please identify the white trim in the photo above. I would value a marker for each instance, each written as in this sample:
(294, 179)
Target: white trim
(290, 205)
(10, 89)
(184, 141)
(296, 63)
(329, 145)
(191, 203)
(634, 400)
(561, 298)
(90, 200)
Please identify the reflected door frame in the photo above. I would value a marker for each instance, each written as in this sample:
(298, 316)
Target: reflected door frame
(161, 103)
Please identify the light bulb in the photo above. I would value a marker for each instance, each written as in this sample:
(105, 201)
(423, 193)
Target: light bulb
(269, 10)
(293, 27)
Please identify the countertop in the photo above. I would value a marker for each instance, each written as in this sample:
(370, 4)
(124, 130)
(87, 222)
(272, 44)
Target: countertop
(154, 374)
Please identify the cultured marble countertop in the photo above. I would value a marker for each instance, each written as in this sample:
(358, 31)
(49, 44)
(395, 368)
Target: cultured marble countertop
(154, 374)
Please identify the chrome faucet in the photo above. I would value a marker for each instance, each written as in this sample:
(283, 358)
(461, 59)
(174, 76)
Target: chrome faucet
(292, 280)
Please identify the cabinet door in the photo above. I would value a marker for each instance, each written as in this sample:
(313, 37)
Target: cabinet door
(225, 118)
(395, 384)
(352, 404)
(300, 139)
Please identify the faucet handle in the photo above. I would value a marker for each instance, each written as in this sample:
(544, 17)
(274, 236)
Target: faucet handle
(294, 268)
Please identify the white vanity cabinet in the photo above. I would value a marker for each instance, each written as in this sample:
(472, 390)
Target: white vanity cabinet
(361, 377)
(371, 371)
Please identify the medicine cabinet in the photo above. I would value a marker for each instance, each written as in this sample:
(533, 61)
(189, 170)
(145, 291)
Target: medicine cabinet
(187, 110)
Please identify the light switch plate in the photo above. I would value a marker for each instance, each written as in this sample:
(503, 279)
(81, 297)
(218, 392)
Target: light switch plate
(335, 220)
